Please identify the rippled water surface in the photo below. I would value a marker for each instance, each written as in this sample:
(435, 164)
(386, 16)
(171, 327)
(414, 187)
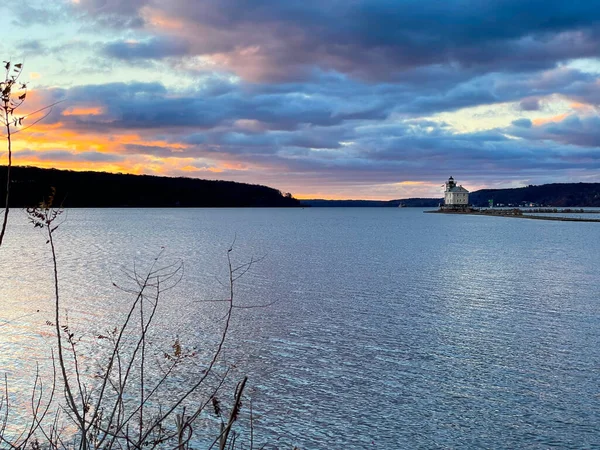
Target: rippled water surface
(388, 328)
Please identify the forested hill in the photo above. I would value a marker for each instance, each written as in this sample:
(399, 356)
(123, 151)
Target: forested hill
(30, 185)
(556, 194)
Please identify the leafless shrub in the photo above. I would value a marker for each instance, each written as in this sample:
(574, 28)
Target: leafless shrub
(130, 402)
(13, 93)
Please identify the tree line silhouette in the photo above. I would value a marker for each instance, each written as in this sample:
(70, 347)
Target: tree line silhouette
(30, 185)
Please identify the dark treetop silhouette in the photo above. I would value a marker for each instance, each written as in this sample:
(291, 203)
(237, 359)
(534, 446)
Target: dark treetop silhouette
(29, 185)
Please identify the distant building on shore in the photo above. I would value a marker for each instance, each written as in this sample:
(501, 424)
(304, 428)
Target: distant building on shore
(455, 197)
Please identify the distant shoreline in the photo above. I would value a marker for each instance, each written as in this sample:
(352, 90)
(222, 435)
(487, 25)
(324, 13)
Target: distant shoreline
(555, 195)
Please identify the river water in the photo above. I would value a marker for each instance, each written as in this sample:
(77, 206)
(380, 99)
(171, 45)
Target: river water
(377, 327)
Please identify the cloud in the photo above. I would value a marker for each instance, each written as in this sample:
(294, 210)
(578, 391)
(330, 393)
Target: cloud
(155, 48)
(30, 13)
(150, 105)
(115, 14)
(63, 155)
(530, 104)
(31, 45)
(370, 39)
(522, 123)
(156, 150)
(583, 131)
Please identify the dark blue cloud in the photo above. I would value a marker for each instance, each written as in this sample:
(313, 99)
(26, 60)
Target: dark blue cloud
(530, 104)
(522, 123)
(150, 105)
(381, 39)
(155, 48)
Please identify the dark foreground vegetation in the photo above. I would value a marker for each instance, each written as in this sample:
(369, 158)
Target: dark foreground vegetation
(29, 185)
(556, 194)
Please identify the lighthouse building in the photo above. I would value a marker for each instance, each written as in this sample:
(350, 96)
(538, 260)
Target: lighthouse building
(455, 196)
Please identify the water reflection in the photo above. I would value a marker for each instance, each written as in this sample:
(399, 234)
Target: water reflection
(390, 327)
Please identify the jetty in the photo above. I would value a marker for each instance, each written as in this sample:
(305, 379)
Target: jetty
(535, 214)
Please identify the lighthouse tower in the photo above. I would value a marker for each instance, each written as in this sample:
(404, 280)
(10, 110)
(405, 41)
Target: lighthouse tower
(455, 197)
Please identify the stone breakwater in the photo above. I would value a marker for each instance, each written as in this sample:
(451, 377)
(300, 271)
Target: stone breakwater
(526, 214)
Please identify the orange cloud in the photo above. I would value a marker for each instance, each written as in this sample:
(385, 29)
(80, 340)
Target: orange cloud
(193, 169)
(411, 183)
(234, 166)
(138, 141)
(89, 111)
(582, 107)
(55, 136)
(159, 20)
(58, 137)
(545, 120)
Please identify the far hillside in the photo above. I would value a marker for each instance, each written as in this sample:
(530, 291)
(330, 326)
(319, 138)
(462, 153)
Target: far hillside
(30, 185)
(556, 194)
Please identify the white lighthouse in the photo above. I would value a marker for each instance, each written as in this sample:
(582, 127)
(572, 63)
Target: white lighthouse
(455, 197)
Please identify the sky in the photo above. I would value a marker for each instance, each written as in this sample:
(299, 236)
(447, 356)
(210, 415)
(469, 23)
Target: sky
(370, 99)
